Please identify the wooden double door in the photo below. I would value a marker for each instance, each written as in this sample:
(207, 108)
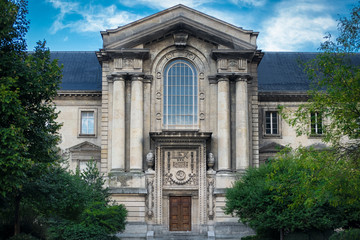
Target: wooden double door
(180, 213)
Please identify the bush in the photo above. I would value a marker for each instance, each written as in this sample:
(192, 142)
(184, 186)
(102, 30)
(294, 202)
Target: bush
(352, 234)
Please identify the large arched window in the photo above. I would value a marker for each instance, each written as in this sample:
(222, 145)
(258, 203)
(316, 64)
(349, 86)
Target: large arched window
(180, 95)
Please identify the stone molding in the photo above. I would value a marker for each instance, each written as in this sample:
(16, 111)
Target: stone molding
(78, 95)
(283, 96)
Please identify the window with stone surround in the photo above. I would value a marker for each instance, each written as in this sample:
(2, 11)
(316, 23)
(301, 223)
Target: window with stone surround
(271, 123)
(316, 123)
(87, 124)
(180, 109)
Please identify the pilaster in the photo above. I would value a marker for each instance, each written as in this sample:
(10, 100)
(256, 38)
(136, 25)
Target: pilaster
(136, 123)
(224, 147)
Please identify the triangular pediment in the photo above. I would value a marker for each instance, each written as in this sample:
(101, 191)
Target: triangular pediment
(84, 146)
(272, 147)
(179, 19)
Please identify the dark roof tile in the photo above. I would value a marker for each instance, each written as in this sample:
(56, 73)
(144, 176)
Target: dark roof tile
(82, 70)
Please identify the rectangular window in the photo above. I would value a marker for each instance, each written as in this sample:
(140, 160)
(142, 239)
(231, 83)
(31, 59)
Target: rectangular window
(271, 123)
(87, 123)
(316, 123)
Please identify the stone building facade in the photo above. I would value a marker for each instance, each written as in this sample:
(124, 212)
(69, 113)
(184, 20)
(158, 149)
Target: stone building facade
(174, 107)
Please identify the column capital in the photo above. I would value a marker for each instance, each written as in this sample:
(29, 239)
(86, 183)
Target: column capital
(220, 78)
(242, 78)
(137, 77)
(119, 78)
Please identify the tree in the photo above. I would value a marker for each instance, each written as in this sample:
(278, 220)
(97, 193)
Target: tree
(62, 205)
(98, 220)
(274, 197)
(335, 88)
(305, 188)
(28, 84)
(335, 93)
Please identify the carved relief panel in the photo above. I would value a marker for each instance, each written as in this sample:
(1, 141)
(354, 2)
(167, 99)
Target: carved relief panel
(232, 65)
(180, 167)
(128, 64)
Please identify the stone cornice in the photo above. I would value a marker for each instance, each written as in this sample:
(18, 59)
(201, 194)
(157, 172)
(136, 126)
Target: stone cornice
(138, 53)
(283, 96)
(78, 94)
(173, 135)
(233, 53)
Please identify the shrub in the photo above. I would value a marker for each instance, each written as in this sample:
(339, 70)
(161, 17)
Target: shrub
(352, 234)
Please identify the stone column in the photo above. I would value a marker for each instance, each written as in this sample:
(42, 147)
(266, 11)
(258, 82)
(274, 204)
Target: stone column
(136, 124)
(224, 157)
(118, 128)
(242, 125)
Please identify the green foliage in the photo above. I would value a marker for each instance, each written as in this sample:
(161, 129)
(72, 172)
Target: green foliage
(110, 218)
(58, 193)
(295, 192)
(352, 234)
(95, 218)
(95, 181)
(335, 88)
(28, 83)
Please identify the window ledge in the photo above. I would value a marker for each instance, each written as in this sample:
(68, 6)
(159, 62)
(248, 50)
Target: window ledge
(315, 136)
(87, 136)
(272, 136)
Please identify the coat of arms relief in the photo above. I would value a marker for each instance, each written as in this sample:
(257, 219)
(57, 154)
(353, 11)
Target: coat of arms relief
(180, 167)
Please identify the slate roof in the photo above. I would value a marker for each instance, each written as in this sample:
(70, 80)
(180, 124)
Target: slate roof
(82, 70)
(277, 71)
(282, 71)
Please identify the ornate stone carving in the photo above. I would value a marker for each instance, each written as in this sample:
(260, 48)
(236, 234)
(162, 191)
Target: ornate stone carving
(150, 197)
(190, 55)
(202, 116)
(158, 116)
(232, 65)
(211, 187)
(128, 64)
(180, 167)
(158, 95)
(169, 56)
(201, 76)
(180, 39)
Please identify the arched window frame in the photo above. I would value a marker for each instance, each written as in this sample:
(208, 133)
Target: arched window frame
(180, 91)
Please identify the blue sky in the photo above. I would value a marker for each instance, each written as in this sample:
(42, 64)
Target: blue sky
(284, 25)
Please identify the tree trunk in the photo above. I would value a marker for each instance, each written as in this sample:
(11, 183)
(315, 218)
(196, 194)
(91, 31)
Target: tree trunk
(17, 215)
(281, 234)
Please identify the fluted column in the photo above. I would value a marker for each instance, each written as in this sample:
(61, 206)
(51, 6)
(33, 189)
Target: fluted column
(242, 125)
(136, 123)
(224, 157)
(118, 125)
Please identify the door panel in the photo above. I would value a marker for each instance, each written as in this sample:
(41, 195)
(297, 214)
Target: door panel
(180, 213)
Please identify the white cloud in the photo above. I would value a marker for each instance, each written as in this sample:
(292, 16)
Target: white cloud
(295, 25)
(88, 18)
(255, 3)
(162, 4)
